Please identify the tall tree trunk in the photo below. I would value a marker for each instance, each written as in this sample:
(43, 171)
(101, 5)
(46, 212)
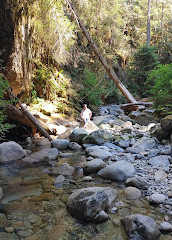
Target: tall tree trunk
(108, 69)
(162, 19)
(148, 24)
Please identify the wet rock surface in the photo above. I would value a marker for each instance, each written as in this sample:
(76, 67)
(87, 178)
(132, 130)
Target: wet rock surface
(35, 196)
(142, 227)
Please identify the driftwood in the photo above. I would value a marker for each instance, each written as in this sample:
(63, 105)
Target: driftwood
(26, 118)
(134, 106)
(108, 69)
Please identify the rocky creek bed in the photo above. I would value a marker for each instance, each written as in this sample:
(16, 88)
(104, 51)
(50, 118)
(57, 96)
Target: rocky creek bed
(114, 183)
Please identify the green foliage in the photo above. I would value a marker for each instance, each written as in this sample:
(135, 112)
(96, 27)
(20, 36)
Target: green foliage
(4, 127)
(161, 92)
(53, 29)
(91, 92)
(144, 60)
(48, 83)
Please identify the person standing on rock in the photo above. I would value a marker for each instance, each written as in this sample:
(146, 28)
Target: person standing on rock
(86, 114)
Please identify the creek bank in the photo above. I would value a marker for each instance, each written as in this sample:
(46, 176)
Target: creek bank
(66, 170)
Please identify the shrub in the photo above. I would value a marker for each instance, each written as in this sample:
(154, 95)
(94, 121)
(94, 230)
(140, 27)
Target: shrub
(4, 127)
(161, 91)
(144, 60)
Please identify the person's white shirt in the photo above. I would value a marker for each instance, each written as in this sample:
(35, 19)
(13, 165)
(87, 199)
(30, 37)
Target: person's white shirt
(86, 113)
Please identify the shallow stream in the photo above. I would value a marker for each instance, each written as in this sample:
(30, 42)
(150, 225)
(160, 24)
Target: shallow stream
(36, 209)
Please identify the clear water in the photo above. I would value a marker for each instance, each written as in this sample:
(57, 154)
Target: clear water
(36, 209)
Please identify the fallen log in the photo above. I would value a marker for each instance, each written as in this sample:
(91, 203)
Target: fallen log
(128, 107)
(35, 122)
(107, 67)
(14, 113)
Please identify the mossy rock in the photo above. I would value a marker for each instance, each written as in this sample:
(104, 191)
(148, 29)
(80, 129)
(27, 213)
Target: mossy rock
(159, 133)
(166, 123)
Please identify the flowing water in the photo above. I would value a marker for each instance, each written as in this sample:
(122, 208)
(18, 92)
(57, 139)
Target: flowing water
(36, 209)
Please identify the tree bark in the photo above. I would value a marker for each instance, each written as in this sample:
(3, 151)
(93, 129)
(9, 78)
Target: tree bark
(108, 69)
(148, 24)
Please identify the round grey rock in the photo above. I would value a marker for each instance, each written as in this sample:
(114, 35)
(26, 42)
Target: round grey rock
(60, 144)
(118, 171)
(132, 193)
(94, 165)
(157, 198)
(11, 151)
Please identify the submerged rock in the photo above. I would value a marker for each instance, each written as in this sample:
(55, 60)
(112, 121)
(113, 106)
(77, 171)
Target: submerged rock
(64, 169)
(8, 236)
(11, 151)
(59, 179)
(90, 204)
(140, 227)
(118, 171)
(132, 193)
(43, 155)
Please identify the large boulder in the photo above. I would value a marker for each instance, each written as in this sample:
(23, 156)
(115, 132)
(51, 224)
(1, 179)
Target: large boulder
(143, 144)
(166, 123)
(42, 155)
(60, 144)
(118, 171)
(98, 137)
(140, 227)
(159, 133)
(161, 161)
(77, 135)
(11, 151)
(144, 119)
(91, 204)
(94, 165)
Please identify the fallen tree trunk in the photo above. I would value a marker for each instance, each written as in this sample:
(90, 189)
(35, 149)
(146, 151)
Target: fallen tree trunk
(134, 106)
(108, 69)
(14, 113)
(35, 122)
